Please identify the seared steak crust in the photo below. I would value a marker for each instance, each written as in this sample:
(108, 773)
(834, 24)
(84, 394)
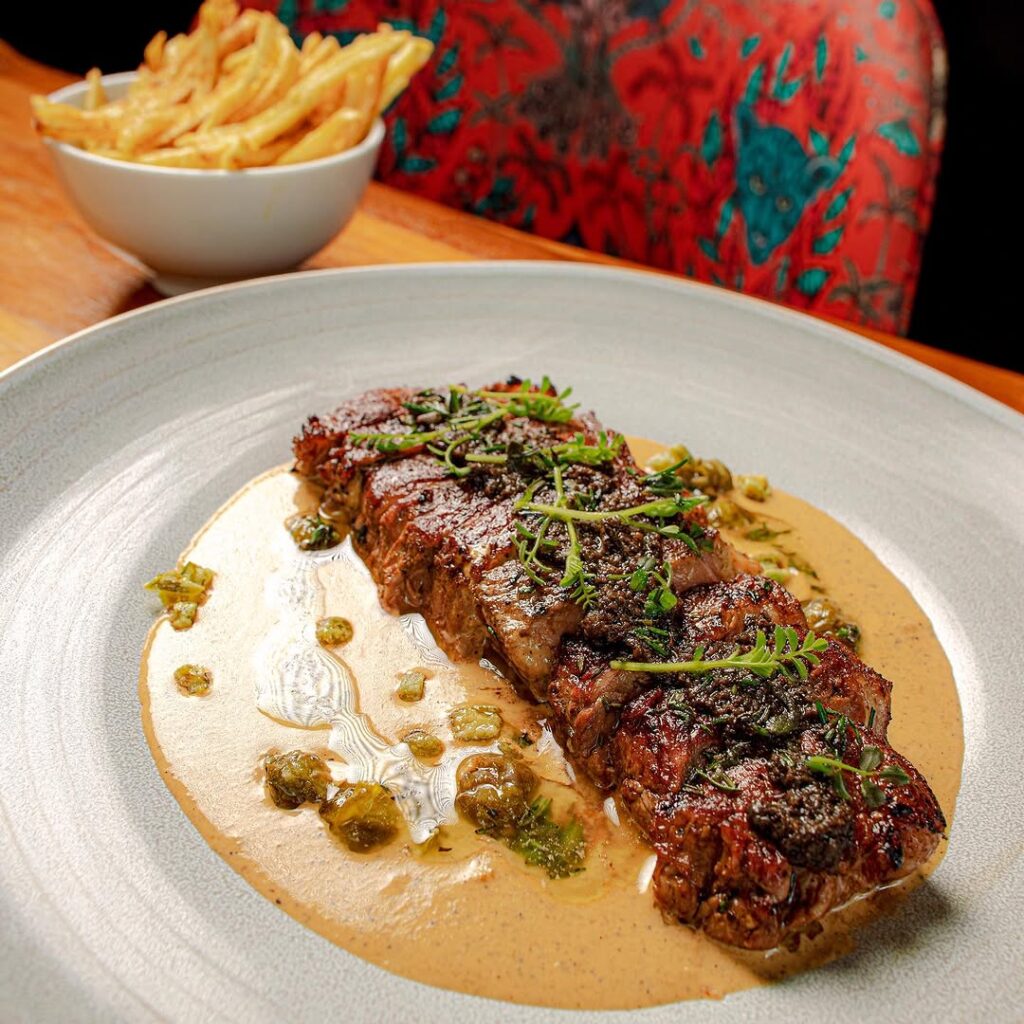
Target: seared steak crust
(754, 841)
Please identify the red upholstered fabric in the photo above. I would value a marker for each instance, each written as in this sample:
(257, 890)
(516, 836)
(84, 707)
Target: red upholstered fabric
(786, 149)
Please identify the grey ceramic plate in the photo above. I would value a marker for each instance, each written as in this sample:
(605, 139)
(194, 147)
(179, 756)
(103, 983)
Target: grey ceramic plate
(116, 446)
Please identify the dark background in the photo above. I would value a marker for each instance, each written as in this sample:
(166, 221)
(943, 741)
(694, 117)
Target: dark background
(967, 299)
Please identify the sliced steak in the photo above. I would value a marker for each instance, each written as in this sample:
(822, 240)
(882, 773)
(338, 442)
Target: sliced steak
(507, 527)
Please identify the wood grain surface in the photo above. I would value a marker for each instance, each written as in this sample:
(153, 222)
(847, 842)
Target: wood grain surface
(57, 277)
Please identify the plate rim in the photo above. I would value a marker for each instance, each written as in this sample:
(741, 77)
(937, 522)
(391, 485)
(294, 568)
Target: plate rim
(955, 389)
(53, 364)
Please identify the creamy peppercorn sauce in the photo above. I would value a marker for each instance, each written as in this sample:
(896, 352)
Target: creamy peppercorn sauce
(463, 912)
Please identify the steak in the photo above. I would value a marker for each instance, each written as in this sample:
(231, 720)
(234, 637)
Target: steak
(750, 753)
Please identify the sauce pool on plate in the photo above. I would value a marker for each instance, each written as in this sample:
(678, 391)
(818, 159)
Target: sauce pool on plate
(440, 904)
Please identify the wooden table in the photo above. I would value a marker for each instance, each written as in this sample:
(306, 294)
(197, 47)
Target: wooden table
(57, 277)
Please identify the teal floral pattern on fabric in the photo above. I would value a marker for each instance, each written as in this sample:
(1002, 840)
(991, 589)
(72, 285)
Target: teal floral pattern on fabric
(775, 180)
(787, 150)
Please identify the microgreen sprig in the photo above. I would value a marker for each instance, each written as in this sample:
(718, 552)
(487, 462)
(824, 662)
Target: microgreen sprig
(525, 401)
(395, 443)
(654, 638)
(660, 600)
(576, 578)
(578, 451)
(650, 517)
(869, 770)
(466, 412)
(665, 482)
(787, 654)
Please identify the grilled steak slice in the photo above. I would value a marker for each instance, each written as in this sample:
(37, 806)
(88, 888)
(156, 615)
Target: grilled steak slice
(525, 532)
(444, 545)
(753, 845)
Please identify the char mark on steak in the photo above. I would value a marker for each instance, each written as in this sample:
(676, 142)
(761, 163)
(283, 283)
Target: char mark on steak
(769, 799)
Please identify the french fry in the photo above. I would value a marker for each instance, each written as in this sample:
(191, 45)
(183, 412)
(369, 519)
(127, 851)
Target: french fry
(280, 78)
(310, 43)
(96, 97)
(238, 34)
(153, 55)
(140, 132)
(217, 15)
(303, 98)
(403, 66)
(183, 156)
(333, 135)
(268, 154)
(236, 92)
(318, 53)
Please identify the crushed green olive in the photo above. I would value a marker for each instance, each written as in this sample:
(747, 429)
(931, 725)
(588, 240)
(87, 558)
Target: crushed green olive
(311, 533)
(494, 792)
(423, 744)
(197, 574)
(849, 634)
(824, 617)
(193, 680)
(475, 722)
(754, 486)
(296, 778)
(182, 614)
(510, 749)
(182, 591)
(711, 476)
(724, 512)
(410, 685)
(362, 815)
(333, 631)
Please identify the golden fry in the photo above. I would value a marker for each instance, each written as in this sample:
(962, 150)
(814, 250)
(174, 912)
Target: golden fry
(318, 53)
(96, 97)
(217, 15)
(191, 156)
(153, 55)
(338, 132)
(303, 98)
(238, 34)
(280, 77)
(237, 92)
(403, 66)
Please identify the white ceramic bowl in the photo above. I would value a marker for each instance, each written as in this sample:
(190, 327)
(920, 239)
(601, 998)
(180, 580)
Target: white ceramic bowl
(201, 227)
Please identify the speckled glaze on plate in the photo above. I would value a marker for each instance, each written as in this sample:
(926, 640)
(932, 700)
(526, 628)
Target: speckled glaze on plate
(117, 446)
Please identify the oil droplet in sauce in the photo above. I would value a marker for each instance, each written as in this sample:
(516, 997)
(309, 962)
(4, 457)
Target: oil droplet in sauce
(462, 911)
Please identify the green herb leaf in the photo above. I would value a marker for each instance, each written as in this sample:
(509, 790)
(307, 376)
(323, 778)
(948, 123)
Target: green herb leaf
(787, 654)
(870, 758)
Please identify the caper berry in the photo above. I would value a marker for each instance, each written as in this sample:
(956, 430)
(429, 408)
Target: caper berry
(362, 815)
(711, 476)
(333, 631)
(311, 533)
(754, 486)
(824, 617)
(725, 513)
(193, 679)
(296, 778)
(181, 591)
(494, 792)
(410, 685)
(182, 614)
(475, 722)
(423, 744)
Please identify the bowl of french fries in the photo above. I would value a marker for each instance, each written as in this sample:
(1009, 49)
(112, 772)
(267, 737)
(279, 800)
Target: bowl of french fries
(231, 152)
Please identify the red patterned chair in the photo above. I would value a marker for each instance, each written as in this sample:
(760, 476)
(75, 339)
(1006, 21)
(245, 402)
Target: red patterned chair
(786, 149)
